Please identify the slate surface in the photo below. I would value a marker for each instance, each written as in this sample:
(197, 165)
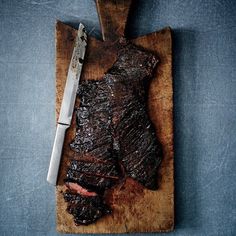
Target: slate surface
(205, 108)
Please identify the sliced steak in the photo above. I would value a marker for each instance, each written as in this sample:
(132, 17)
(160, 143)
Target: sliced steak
(140, 150)
(93, 135)
(95, 168)
(76, 188)
(133, 133)
(86, 210)
(114, 135)
(90, 182)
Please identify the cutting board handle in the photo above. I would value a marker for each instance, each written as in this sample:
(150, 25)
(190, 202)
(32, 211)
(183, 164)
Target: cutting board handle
(113, 16)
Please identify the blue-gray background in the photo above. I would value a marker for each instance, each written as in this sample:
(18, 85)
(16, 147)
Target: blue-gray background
(204, 97)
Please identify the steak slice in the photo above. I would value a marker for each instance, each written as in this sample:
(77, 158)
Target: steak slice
(93, 176)
(90, 182)
(95, 168)
(86, 210)
(93, 118)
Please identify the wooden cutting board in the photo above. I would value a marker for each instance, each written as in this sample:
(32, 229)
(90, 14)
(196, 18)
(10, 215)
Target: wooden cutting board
(134, 209)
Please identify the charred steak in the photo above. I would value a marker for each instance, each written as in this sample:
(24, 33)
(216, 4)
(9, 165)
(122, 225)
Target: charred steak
(115, 137)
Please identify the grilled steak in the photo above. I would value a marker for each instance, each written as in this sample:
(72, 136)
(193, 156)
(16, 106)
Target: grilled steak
(85, 209)
(115, 137)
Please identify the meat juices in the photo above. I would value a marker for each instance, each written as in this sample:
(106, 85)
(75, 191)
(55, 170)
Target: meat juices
(115, 138)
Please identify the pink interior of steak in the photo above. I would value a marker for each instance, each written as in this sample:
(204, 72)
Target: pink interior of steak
(80, 190)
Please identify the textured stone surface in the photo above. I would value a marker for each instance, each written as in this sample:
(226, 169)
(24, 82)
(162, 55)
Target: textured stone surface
(205, 101)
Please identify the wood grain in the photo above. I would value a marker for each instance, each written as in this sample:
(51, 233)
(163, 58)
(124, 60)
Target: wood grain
(134, 209)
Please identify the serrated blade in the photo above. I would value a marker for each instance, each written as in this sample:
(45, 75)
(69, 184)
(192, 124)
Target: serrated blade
(73, 77)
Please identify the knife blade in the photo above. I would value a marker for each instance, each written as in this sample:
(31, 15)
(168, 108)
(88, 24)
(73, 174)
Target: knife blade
(68, 102)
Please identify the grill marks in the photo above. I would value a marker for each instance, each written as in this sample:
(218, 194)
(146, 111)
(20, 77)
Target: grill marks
(115, 137)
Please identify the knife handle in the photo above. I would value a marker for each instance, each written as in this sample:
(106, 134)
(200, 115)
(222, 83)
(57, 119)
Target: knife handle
(56, 154)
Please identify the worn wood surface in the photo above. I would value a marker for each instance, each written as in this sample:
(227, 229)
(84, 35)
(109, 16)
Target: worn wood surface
(134, 209)
(113, 16)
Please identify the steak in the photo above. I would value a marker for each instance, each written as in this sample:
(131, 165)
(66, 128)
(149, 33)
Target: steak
(85, 209)
(115, 137)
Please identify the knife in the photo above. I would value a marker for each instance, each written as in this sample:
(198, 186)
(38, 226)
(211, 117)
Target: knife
(68, 102)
